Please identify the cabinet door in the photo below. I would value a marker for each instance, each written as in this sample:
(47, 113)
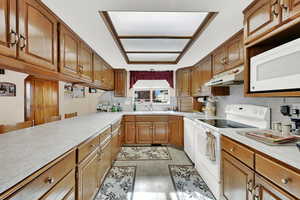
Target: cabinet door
(265, 190)
(261, 18)
(88, 177)
(115, 147)
(98, 70)
(196, 80)
(120, 82)
(69, 45)
(178, 82)
(235, 52)
(237, 179)
(130, 133)
(144, 132)
(176, 131)
(186, 83)
(290, 9)
(219, 58)
(38, 35)
(8, 29)
(206, 70)
(105, 161)
(160, 132)
(86, 62)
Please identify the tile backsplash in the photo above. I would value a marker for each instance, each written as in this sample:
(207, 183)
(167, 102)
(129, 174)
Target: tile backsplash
(237, 97)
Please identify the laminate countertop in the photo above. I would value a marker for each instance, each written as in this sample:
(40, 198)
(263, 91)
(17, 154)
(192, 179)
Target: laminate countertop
(25, 151)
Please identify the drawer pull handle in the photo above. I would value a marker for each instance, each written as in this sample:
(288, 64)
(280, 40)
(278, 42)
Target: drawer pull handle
(93, 146)
(50, 180)
(285, 180)
(232, 149)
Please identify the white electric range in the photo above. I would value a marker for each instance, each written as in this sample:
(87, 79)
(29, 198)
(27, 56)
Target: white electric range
(238, 116)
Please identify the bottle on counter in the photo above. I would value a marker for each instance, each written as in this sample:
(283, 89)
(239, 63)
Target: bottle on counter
(134, 106)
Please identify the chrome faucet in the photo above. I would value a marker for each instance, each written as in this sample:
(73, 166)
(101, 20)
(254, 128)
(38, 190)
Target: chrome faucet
(149, 107)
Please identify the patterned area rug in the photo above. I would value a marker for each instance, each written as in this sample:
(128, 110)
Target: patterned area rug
(118, 184)
(188, 183)
(143, 153)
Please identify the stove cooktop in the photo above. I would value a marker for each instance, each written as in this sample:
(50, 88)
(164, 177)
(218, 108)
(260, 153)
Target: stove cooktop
(223, 123)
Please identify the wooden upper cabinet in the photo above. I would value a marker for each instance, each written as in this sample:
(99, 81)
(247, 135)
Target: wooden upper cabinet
(86, 62)
(160, 132)
(260, 18)
(196, 80)
(120, 82)
(290, 9)
(237, 179)
(144, 132)
(185, 82)
(8, 28)
(98, 70)
(206, 70)
(38, 35)
(69, 45)
(108, 77)
(234, 51)
(219, 59)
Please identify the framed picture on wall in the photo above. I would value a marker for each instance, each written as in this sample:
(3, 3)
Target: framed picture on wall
(7, 89)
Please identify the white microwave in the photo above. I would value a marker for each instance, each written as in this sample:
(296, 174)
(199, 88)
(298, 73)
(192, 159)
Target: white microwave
(277, 69)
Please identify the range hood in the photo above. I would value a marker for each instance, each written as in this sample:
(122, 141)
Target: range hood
(231, 77)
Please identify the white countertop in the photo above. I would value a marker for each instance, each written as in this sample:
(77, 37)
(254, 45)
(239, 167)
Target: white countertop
(26, 151)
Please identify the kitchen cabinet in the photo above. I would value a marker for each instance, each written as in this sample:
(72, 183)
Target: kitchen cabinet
(69, 48)
(196, 81)
(237, 179)
(241, 180)
(176, 131)
(184, 82)
(261, 17)
(115, 145)
(8, 28)
(105, 160)
(229, 55)
(130, 133)
(218, 58)
(98, 70)
(265, 190)
(85, 62)
(144, 132)
(120, 83)
(88, 177)
(290, 9)
(160, 132)
(37, 35)
(108, 77)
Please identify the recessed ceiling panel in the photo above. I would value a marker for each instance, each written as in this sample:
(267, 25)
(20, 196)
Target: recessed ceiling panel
(152, 57)
(157, 23)
(154, 44)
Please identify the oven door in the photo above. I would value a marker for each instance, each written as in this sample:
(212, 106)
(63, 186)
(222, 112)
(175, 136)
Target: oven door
(277, 69)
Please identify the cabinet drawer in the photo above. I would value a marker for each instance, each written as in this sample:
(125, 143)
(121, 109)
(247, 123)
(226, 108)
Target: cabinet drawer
(151, 118)
(279, 174)
(116, 125)
(88, 147)
(104, 135)
(171, 118)
(43, 183)
(240, 152)
(129, 118)
(62, 190)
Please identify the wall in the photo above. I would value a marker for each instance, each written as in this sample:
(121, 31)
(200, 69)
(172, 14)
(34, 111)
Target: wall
(12, 108)
(237, 96)
(127, 102)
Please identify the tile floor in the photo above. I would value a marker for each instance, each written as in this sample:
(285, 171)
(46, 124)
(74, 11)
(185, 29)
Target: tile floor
(153, 181)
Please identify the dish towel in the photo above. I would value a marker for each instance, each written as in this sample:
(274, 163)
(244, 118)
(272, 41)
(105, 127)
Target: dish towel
(210, 146)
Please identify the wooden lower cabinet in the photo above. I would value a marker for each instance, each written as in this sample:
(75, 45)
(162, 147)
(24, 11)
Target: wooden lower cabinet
(130, 133)
(160, 132)
(144, 132)
(115, 146)
(237, 179)
(176, 131)
(88, 175)
(105, 161)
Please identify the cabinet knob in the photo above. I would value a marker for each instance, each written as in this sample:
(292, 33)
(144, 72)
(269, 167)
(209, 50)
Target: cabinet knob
(23, 42)
(232, 149)
(50, 180)
(285, 180)
(14, 35)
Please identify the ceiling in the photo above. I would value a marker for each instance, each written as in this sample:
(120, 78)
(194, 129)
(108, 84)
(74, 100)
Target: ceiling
(83, 18)
(155, 37)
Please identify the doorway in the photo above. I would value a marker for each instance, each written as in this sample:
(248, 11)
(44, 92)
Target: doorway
(41, 99)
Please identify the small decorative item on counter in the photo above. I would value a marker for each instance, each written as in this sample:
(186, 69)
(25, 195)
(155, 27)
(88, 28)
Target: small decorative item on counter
(286, 130)
(134, 106)
(277, 126)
